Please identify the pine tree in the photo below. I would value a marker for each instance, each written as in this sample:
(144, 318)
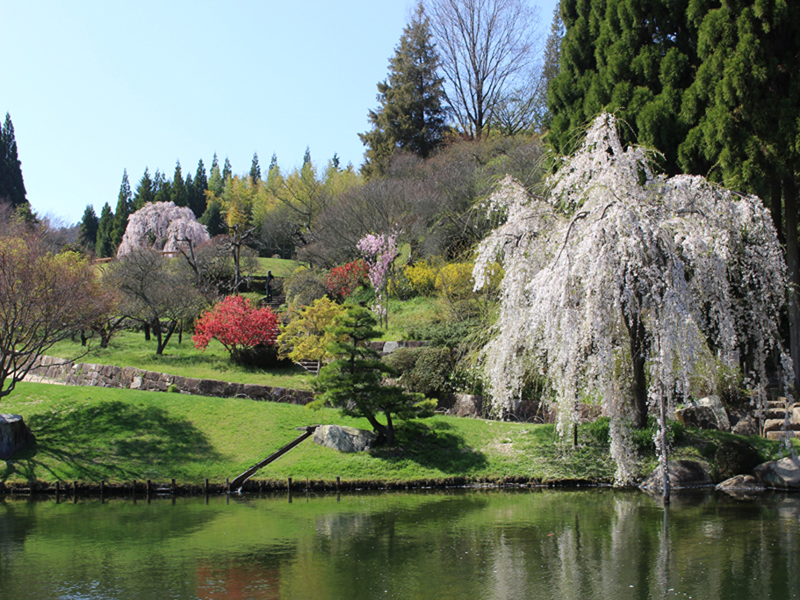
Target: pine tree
(216, 184)
(144, 191)
(550, 68)
(197, 191)
(255, 170)
(162, 188)
(12, 186)
(104, 246)
(180, 195)
(87, 229)
(307, 157)
(124, 209)
(411, 116)
(227, 171)
(273, 164)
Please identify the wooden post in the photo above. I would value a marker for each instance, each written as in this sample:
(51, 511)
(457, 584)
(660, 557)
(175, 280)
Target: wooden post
(338, 481)
(102, 486)
(149, 488)
(206, 486)
(172, 487)
(227, 485)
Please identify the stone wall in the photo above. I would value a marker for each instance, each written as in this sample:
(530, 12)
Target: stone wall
(71, 373)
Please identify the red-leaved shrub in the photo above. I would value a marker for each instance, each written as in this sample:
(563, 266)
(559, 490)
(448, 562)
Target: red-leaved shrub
(237, 326)
(343, 280)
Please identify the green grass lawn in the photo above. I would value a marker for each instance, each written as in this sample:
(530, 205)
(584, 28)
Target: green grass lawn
(92, 434)
(129, 349)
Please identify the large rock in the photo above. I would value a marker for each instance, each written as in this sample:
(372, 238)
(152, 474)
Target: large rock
(706, 413)
(682, 474)
(741, 483)
(344, 439)
(14, 434)
(783, 473)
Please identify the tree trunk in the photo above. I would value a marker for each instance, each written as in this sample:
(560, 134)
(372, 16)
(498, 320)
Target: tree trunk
(636, 335)
(793, 264)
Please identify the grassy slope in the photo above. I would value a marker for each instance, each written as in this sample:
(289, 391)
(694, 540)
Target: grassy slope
(128, 349)
(91, 434)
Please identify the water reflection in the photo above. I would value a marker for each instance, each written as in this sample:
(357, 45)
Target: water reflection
(460, 544)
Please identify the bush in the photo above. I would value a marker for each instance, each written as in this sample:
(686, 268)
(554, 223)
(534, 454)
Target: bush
(239, 327)
(421, 277)
(423, 370)
(343, 280)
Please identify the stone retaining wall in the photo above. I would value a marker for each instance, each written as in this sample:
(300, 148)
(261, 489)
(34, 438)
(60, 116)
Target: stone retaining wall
(72, 373)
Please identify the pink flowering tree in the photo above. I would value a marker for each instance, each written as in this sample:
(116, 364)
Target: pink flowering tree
(162, 226)
(379, 252)
(236, 325)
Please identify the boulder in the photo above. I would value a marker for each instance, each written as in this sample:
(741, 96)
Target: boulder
(344, 439)
(682, 474)
(741, 486)
(782, 474)
(14, 434)
(746, 426)
(467, 405)
(706, 413)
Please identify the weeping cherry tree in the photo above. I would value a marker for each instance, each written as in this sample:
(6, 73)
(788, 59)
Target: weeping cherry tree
(162, 226)
(630, 288)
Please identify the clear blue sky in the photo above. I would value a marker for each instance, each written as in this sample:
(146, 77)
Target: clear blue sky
(97, 86)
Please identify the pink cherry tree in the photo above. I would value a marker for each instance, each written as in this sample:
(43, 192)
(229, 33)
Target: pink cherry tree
(379, 252)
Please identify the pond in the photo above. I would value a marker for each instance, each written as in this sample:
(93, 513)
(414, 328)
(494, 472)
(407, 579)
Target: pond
(460, 544)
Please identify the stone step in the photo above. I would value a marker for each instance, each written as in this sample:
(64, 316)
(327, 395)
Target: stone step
(779, 424)
(781, 435)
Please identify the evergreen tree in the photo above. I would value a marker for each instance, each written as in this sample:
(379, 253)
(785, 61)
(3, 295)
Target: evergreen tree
(273, 164)
(216, 184)
(104, 246)
(87, 229)
(12, 186)
(635, 58)
(550, 67)
(255, 170)
(162, 188)
(124, 209)
(353, 382)
(144, 191)
(227, 171)
(180, 195)
(197, 190)
(213, 219)
(744, 109)
(411, 116)
(307, 157)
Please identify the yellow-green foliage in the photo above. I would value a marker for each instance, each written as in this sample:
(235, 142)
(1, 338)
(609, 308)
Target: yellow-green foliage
(422, 277)
(454, 280)
(305, 337)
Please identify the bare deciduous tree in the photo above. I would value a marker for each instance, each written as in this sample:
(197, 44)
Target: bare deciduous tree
(485, 46)
(155, 290)
(44, 298)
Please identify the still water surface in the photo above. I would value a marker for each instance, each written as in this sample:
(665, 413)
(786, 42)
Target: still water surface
(440, 545)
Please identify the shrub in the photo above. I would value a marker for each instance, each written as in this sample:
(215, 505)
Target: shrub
(422, 277)
(308, 334)
(423, 370)
(238, 326)
(343, 280)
